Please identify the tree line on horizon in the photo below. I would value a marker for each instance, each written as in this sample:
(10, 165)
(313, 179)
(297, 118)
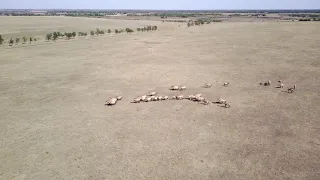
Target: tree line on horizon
(69, 35)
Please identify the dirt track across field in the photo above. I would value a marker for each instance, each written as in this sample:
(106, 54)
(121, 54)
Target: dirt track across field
(54, 125)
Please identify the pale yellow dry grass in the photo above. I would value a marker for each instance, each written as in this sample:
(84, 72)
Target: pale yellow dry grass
(54, 124)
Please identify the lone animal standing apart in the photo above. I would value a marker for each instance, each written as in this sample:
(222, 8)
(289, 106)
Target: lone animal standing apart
(290, 90)
(226, 84)
(207, 85)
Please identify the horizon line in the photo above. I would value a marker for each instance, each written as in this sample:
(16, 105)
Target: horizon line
(149, 9)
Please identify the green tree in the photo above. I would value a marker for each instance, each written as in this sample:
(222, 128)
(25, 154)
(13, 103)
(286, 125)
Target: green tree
(25, 39)
(69, 35)
(92, 33)
(11, 42)
(55, 35)
(149, 28)
(49, 36)
(1, 39)
(98, 31)
(34, 39)
(74, 34)
(17, 40)
(109, 31)
(85, 34)
(30, 39)
(128, 30)
(154, 28)
(116, 31)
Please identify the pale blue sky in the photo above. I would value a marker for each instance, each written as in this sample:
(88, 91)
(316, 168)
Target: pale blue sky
(160, 4)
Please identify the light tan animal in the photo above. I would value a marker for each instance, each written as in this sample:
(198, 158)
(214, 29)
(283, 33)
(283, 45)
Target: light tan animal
(266, 84)
(153, 98)
(205, 102)
(174, 98)
(226, 84)
(137, 100)
(174, 88)
(191, 97)
(143, 98)
(180, 97)
(227, 105)
(207, 85)
(152, 94)
(111, 102)
(182, 88)
(119, 97)
(220, 101)
(290, 90)
(281, 85)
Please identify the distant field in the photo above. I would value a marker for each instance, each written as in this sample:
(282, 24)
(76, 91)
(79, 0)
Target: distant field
(54, 125)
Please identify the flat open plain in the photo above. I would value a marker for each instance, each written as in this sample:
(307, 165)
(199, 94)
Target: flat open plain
(54, 125)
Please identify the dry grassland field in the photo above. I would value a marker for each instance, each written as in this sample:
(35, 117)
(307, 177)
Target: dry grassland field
(54, 124)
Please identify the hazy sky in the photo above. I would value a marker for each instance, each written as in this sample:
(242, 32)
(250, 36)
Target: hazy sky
(160, 4)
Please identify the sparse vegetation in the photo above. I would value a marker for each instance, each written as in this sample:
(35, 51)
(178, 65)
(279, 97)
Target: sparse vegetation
(82, 34)
(128, 30)
(17, 40)
(25, 39)
(11, 42)
(1, 40)
(154, 28)
(49, 36)
(56, 35)
(99, 31)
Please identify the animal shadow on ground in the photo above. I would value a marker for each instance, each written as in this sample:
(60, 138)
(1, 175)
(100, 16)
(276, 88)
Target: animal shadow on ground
(223, 106)
(286, 92)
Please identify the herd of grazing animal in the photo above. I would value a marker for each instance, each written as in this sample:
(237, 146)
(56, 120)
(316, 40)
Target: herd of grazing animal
(280, 85)
(152, 96)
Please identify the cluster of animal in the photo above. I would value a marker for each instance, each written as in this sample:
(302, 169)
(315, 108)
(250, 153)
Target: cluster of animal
(178, 88)
(280, 85)
(113, 101)
(152, 96)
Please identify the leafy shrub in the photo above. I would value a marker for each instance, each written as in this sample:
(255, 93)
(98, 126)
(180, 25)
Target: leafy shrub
(1, 39)
(49, 36)
(11, 42)
(25, 39)
(128, 30)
